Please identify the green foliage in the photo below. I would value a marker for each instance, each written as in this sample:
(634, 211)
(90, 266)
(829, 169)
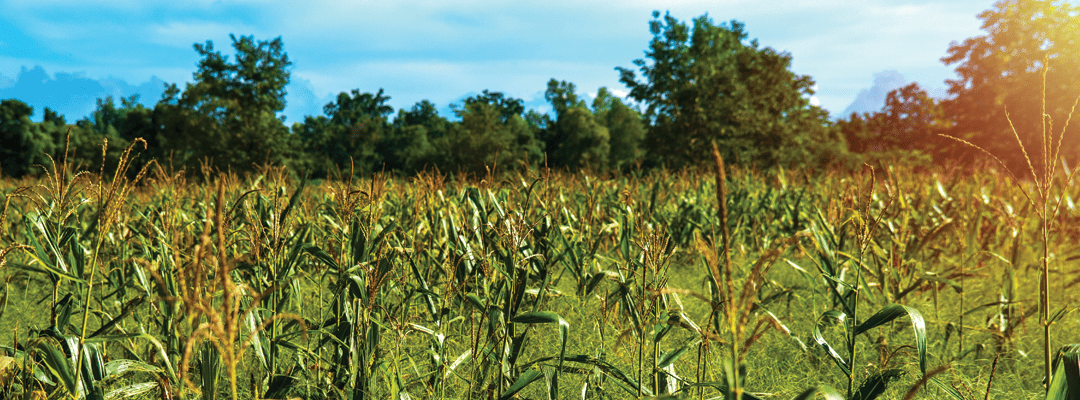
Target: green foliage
(102, 128)
(1000, 76)
(576, 138)
(491, 134)
(358, 125)
(1066, 382)
(228, 116)
(626, 130)
(526, 287)
(705, 84)
(412, 146)
(23, 143)
(906, 131)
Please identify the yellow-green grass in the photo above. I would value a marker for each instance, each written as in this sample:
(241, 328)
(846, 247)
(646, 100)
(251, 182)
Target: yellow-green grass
(929, 226)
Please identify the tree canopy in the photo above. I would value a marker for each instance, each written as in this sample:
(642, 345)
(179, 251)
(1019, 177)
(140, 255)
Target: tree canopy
(229, 115)
(706, 83)
(699, 83)
(1000, 78)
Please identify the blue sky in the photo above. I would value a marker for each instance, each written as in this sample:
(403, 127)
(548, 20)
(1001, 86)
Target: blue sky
(445, 50)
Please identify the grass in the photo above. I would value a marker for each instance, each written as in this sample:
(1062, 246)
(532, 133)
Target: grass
(695, 284)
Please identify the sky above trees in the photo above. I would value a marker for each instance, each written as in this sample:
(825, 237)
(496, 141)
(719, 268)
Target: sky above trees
(446, 51)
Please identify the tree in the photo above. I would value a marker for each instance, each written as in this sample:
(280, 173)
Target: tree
(507, 107)
(909, 121)
(23, 143)
(422, 113)
(412, 145)
(575, 139)
(318, 155)
(229, 115)
(706, 84)
(491, 134)
(100, 128)
(359, 123)
(1000, 78)
(351, 133)
(625, 128)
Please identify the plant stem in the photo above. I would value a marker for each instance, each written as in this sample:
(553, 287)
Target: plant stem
(641, 332)
(1045, 298)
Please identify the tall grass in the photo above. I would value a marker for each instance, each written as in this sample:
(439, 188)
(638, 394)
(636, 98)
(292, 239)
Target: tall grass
(1045, 203)
(535, 285)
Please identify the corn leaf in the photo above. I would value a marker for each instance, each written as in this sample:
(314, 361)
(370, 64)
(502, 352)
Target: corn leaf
(1065, 384)
(894, 311)
(524, 380)
(876, 384)
(827, 319)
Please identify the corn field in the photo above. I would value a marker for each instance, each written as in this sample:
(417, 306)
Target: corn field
(699, 284)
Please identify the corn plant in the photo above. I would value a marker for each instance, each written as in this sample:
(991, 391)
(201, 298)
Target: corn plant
(1045, 203)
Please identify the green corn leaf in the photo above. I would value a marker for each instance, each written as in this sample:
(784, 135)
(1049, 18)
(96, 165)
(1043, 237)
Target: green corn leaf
(627, 233)
(253, 321)
(540, 317)
(59, 365)
(20, 359)
(1060, 313)
(357, 241)
(475, 301)
(495, 203)
(425, 288)
(292, 200)
(551, 377)
(93, 370)
(932, 277)
(40, 266)
(1071, 366)
(52, 242)
(722, 387)
(624, 380)
(949, 390)
(63, 310)
(457, 363)
(381, 237)
(876, 384)
(891, 312)
(287, 269)
(934, 232)
(827, 319)
(209, 369)
(1065, 384)
(674, 355)
(321, 255)
(128, 309)
(422, 329)
(594, 281)
(548, 317)
(473, 195)
(524, 380)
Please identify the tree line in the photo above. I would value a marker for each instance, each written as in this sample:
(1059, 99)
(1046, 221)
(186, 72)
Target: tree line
(1015, 84)
(699, 83)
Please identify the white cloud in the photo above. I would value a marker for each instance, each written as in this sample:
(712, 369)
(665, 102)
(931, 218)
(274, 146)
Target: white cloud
(184, 34)
(441, 50)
